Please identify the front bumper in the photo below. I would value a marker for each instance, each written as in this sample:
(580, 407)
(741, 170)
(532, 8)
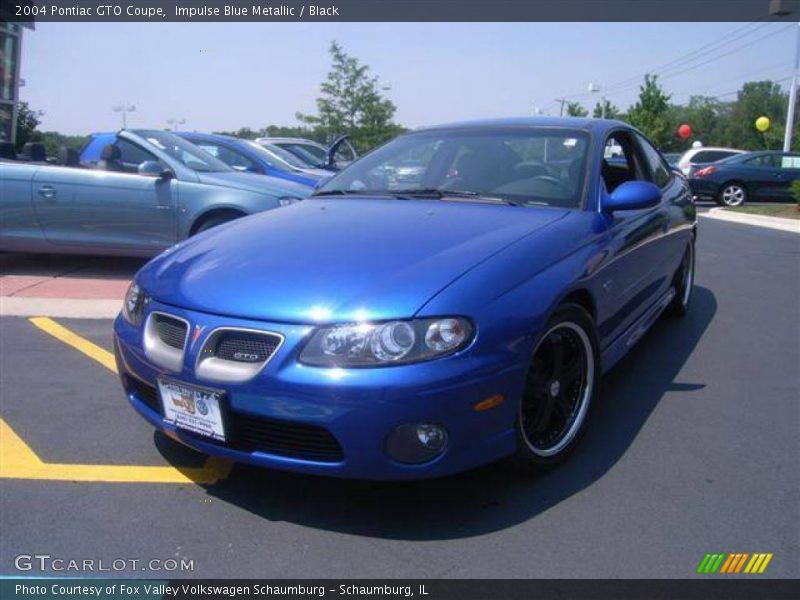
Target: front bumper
(358, 407)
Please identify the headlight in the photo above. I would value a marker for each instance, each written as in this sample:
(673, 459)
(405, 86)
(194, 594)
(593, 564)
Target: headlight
(133, 305)
(383, 344)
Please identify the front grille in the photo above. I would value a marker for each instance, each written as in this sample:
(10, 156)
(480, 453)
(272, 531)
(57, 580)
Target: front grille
(250, 433)
(286, 439)
(171, 331)
(245, 346)
(144, 392)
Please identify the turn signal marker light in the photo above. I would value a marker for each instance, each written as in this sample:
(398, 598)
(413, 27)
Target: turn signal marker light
(489, 403)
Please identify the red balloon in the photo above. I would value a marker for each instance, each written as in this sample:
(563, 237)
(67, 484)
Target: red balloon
(684, 131)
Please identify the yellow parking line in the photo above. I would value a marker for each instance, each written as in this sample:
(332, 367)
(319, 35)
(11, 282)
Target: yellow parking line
(93, 351)
(19, 461)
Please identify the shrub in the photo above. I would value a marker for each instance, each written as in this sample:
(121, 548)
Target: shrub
(796, 191)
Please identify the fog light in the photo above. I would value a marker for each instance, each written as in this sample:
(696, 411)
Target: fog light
(416, 443)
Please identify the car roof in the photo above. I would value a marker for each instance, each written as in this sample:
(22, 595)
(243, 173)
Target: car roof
(207, 136)
(582, 123)
(295, 140)
(716, 149)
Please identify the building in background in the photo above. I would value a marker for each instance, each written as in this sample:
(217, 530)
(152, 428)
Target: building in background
(10, 59)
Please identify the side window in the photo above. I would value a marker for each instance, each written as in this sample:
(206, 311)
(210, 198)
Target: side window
(709, 156)
(655, 168)
(229, 157)
(131, 155)
(620, 162)
(765, 160)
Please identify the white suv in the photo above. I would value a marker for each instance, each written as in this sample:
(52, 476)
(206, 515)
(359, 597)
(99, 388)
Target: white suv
(704, 154)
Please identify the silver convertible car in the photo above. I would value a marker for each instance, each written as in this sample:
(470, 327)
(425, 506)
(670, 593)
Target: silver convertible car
(150, 190)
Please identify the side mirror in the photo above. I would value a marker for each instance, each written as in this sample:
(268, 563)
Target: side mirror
(152, 168)
(632, 195)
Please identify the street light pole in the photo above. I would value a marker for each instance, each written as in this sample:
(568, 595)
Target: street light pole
(787, 136)
(124, 109)
(602, 89)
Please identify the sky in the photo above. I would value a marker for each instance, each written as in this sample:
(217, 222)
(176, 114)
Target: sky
(222, 76)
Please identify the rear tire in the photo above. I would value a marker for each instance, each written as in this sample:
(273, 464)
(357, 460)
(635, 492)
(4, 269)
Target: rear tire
(563, 382)
(684, 284)
(732, 194)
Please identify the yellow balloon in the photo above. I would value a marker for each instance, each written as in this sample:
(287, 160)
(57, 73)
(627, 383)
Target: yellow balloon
(762, 124)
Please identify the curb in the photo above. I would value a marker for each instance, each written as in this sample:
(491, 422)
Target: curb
(779, 223)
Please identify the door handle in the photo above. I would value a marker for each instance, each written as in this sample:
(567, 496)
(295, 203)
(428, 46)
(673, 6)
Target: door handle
(48, 192)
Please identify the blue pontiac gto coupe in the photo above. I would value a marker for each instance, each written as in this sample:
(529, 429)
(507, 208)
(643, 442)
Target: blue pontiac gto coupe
(407, 328)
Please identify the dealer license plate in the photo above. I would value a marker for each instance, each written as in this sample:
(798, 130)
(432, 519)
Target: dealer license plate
(192, 408)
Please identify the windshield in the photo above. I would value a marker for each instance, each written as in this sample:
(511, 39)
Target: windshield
(521, 165)
(184, 152)
(285, 160)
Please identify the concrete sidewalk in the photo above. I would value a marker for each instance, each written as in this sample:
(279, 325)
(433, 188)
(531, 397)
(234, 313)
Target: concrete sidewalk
(64, 286)
(779, 223)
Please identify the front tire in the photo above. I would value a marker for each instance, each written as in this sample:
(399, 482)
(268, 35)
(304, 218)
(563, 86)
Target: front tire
(563, 382)
(684, 283)
(215, 220)
(732, 194)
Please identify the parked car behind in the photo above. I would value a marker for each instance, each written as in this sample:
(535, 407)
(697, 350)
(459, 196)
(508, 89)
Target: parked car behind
(333, 158)
(761, 175)
(386, 329)
(673, 158)
(704, 155)
(249, 156)
(134, 193)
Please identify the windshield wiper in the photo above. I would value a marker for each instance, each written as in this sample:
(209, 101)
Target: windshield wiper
(440, 194)
(335, 193)
(354, 193)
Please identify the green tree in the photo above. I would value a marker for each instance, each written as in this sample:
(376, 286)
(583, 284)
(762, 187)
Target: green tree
(27, 122)
(245, 133)
(756, 99)
(54, 141)
(705, 115)
(350, 102)
(612, 112)
(652, 114)
(574, 109)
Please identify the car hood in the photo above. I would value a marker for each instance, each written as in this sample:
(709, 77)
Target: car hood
(336, 259)
(252, 182)
(315, 173)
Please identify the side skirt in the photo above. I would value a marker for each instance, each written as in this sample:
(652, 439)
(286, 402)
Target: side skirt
(619, 348)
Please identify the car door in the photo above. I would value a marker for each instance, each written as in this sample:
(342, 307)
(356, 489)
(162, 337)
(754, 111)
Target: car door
(18, 222)
(635, 276)
(787, 168)
(757, 173)
(110, 209)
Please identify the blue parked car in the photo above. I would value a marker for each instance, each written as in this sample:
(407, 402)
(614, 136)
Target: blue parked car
(247, 155)
(132, 193)
(756, 176)
(381, 331)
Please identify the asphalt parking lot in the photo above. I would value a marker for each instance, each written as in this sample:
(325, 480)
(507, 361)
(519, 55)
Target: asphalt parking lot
(694, 449)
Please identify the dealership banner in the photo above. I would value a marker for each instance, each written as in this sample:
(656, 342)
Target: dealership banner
(397, 589)
(398, 10)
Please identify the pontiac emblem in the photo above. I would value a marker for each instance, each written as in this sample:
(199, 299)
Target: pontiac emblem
(198, 329)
